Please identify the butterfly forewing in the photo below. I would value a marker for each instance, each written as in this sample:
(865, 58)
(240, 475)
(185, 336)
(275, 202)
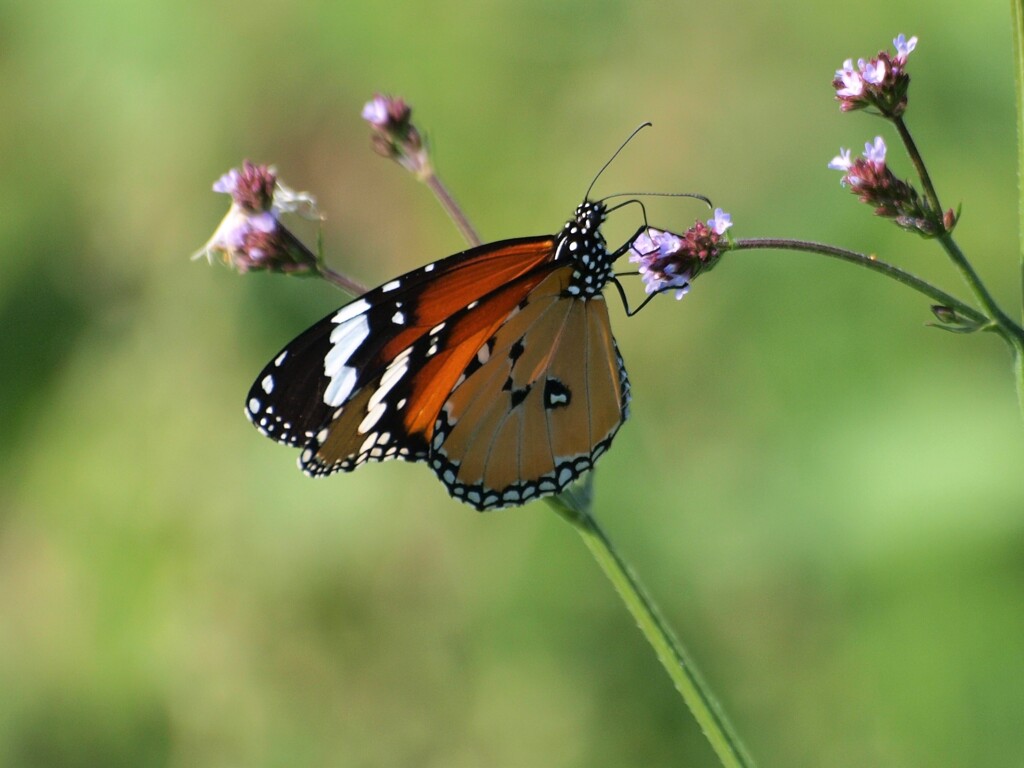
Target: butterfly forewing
(394, 414)
(326, 378)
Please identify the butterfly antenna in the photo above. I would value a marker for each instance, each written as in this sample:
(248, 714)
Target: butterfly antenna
(695, 195)
(622, 146)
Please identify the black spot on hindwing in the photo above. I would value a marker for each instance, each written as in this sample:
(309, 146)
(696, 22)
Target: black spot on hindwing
(556, 394)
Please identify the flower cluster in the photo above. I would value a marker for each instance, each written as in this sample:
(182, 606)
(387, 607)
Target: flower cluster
(666, 260)
(394, 135)
(251, 236)
(880, 83)
(870, 179)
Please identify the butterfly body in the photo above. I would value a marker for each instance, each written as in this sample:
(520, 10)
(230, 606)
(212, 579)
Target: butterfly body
(496, 366)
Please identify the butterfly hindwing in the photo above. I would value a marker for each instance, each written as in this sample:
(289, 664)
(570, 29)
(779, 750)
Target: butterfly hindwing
(542, 408)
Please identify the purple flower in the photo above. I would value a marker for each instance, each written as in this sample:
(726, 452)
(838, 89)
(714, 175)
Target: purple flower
(375, 112)
(251, 189)
(848, 81)
(393, 134)
(872, 71)
(875, 151)
(904, 46)
(251, 236)
(666, 260)
(842, 161)
(720, 222)
(879, 83)
(874, 183)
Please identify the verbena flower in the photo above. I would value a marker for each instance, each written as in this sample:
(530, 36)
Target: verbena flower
(251, 236)
(880, 83)
(394, 135)
(666, 260)
(870, 179)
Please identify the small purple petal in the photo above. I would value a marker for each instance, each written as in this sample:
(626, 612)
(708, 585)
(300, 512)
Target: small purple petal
(842, 161)
(875, 153)
(721, 221)
(667, 243)
(375, 112)
(853, 85)
(228, 183)
(903, 45)
(234, 235)
(264, 222)
(642, 246)
(873, 71)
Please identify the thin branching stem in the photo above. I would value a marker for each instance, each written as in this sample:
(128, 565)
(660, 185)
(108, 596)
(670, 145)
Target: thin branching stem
(922, 170)
(869, 262)
(433, 181)
(346, 284)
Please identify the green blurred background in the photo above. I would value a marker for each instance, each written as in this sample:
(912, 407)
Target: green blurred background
(824, 495)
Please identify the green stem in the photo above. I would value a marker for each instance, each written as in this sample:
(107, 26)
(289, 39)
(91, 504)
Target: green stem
(1017, 13)
(870, 262)
(1001, 322)
(1007, 327)
(674, 658)
(922, 170)
(1018, 370)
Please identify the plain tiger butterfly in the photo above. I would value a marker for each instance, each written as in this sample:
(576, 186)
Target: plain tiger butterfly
(496, 366)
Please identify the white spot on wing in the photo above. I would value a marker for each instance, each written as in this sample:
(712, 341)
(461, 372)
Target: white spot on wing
(349, 311)
(280, 358)
(346, 339)
(398, 318)
(267, 383)
(391, 376)
(341, 386)
(254, 405)
(368, 443)
(387, 287)
(372, 418)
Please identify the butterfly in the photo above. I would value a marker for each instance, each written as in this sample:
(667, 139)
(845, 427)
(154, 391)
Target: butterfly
(496, 366)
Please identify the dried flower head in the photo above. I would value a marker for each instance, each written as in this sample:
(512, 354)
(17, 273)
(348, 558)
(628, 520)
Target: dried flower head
(666, 260)
(251, 236)
(880, 83)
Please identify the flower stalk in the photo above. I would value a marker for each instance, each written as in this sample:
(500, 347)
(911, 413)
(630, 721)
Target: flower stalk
(881, 85)
(574, 506)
